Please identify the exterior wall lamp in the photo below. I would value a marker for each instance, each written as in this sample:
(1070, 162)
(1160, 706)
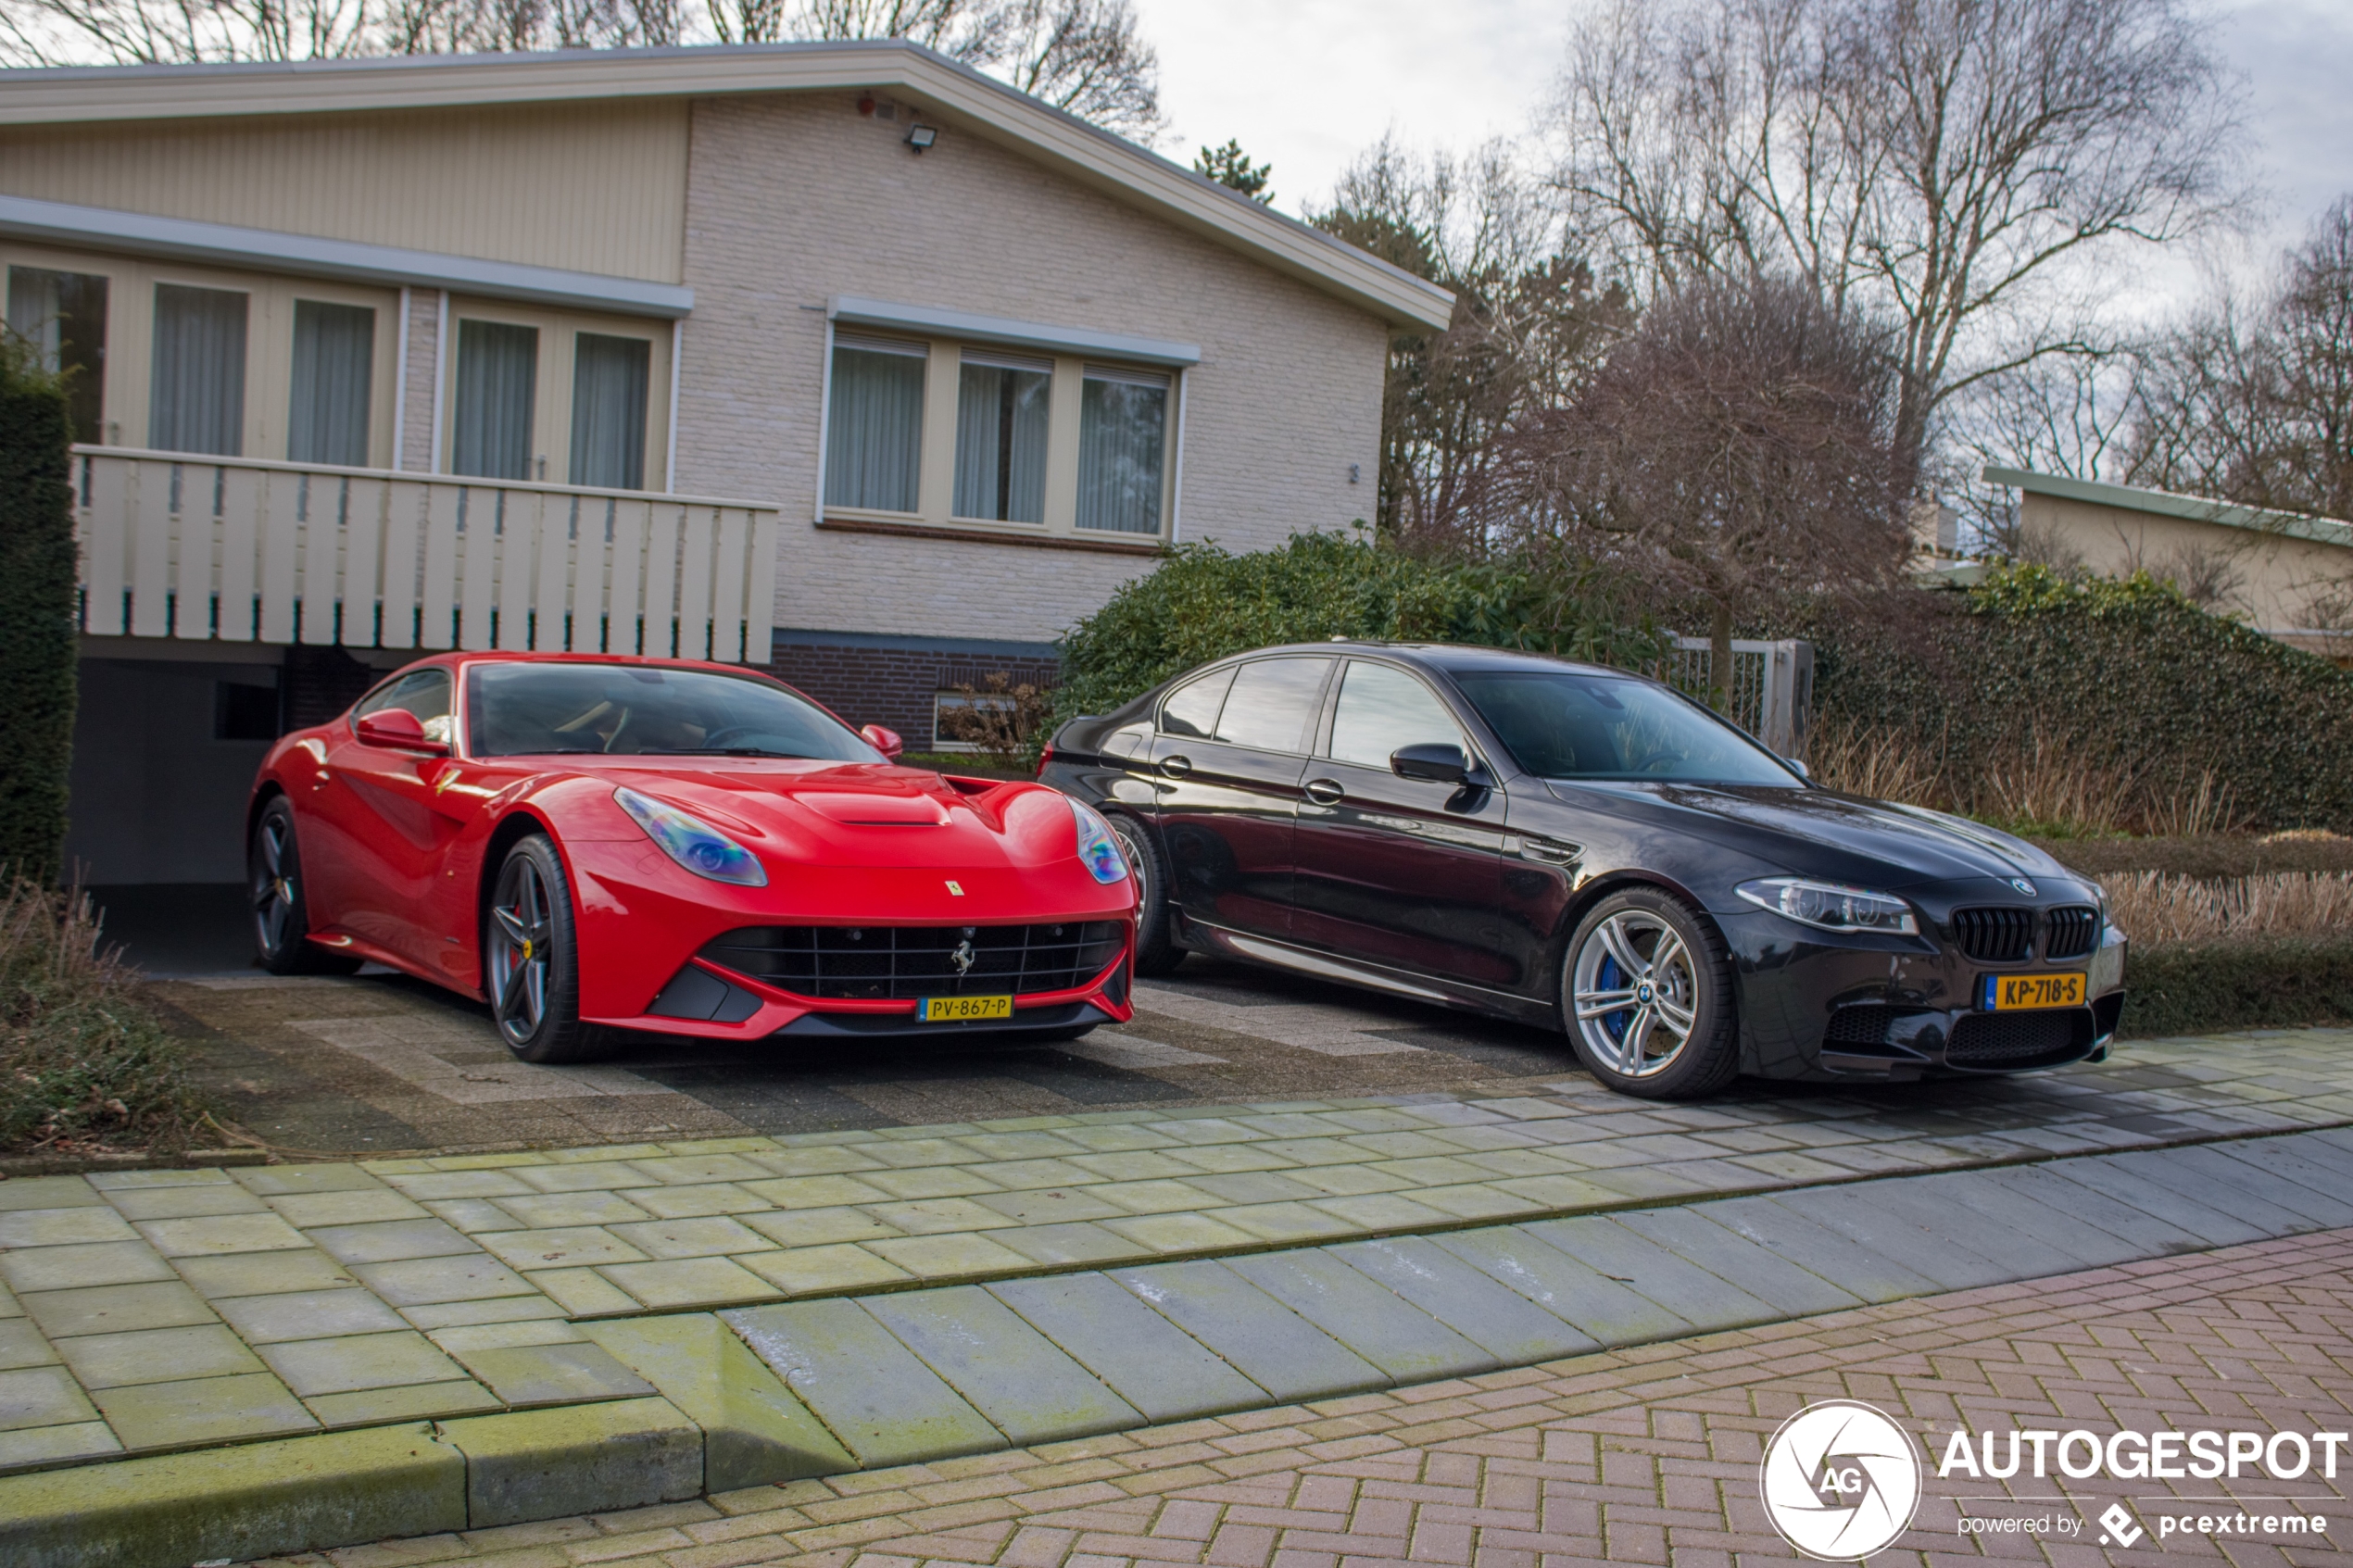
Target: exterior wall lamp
(921, 137)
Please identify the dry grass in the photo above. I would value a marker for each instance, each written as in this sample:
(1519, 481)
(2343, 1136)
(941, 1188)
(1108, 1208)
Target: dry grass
(84, 1065)
(2157, 907)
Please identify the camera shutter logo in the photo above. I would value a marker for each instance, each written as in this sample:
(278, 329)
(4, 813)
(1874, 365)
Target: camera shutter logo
(1840, 1480)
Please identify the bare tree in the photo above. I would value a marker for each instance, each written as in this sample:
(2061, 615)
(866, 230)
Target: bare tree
(1529, 325)
(1740, 444)
(1941, 162)
(1087, 57)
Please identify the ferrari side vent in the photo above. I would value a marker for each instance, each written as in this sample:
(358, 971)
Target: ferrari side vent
(894, 963)
(1996, 936)
(2073, 930)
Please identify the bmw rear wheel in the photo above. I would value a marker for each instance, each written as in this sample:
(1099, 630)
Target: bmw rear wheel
(530, 959)
(1155, 953)
(280, 901)
(1647, 994)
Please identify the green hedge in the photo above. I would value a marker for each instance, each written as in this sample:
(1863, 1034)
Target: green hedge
(37, 633)
(2128, 675)
(1203, 603)
(2251, 983)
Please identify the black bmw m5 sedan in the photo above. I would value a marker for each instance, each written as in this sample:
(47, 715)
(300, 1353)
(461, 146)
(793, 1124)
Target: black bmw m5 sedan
(1579, 847)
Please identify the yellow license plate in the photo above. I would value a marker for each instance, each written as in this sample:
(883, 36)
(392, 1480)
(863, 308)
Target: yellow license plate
(2022, 993)
(962, 1009)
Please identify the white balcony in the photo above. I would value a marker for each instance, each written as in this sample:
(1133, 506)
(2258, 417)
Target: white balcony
(237, 549)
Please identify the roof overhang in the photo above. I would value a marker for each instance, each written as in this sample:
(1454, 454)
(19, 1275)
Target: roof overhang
(307, 256)
(2165, 503)
(963, 98)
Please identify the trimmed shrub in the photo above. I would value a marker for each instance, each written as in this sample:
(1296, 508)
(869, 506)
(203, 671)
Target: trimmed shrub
(1203, 603)
(2247, 982)
(2121, 701)
(37, 633)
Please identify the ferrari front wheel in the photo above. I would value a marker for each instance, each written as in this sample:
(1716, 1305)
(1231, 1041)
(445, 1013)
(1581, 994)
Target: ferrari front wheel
(530, 957)
(280, 900)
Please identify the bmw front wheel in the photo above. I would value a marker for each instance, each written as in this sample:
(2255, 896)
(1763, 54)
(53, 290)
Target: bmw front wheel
(1647, 995)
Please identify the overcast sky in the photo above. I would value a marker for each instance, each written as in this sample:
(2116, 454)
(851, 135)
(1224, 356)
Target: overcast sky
(1307, 85)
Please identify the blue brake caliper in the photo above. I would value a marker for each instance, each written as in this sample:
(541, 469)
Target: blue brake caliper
(1613, 1021)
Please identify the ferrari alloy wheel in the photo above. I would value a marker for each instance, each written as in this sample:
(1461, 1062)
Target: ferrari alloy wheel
(530, 958)
(1649, 998)
(1155, 953)
(281, 912)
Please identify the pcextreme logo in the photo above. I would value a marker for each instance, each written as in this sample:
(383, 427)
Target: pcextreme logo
(1840, 1480)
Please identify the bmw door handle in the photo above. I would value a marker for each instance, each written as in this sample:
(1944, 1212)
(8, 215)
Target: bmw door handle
(1323, 792)
(1176, 767)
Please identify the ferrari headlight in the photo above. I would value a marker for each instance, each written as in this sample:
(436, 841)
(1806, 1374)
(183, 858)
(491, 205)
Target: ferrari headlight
(1832, 905)
(692, 842)
(1097, 847)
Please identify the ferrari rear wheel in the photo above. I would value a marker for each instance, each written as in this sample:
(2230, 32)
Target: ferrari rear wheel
(1155, 953)
(530, 959)
(281, 909)
(1647, 995)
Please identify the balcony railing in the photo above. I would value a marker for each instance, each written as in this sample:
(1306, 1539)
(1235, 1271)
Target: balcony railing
(239, 549)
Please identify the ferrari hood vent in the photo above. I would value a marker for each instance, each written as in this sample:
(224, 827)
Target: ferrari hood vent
(876, 810)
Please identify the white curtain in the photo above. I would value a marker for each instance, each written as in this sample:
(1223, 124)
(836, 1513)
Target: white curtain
(609, 380)
(1000, 439)
(335, 352)
(497, 388)
(1122, 442)
(63, 315)
(874, 426)
(197, 403)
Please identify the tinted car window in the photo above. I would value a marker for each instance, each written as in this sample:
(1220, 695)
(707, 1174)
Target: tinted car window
(624, 710)
(1271, 702)
(1191, 709)
(1383, 709)
(425, 694)
(1569, 725)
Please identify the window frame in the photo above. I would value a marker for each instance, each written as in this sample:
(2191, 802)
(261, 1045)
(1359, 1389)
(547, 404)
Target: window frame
(270, 311)
(935, 514)
(552, 396)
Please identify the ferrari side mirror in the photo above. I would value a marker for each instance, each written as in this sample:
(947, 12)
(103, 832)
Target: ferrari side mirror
(1430, 764)
(885, 741)
(398, 729)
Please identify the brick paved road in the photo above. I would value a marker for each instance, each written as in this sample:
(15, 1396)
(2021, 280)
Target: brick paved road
(1644, 1455)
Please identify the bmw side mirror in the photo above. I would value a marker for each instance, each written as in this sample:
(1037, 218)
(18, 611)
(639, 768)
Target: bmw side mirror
(1430, 764)
(397, 728)
(1800, 769)
(882, 740)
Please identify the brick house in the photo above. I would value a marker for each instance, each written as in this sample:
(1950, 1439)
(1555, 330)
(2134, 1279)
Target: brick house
(838, 358)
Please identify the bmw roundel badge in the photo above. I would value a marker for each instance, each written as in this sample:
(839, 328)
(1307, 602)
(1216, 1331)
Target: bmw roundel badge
(2022, 886)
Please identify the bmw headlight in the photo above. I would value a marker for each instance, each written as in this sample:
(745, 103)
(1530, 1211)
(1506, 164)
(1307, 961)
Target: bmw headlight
(1831, 905)
(692, 842)
(1097, 847)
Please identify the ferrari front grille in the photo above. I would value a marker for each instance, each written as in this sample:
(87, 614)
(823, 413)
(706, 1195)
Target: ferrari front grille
(1994, 936)
(896, 962)
(2073, 930)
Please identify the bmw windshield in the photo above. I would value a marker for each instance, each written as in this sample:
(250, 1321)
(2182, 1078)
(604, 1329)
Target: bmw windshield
(1574, 725)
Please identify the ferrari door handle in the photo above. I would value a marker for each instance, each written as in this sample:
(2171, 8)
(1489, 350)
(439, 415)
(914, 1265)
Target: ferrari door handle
(1176, 767)
(1323, 792)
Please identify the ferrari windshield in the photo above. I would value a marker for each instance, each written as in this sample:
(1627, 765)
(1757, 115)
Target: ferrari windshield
(1571, 725)
(630, 710)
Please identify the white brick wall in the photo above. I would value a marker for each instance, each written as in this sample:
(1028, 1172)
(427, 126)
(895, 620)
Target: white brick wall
(416, 453)
(791, 200)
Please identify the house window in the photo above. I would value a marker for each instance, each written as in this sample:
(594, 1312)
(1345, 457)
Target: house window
(196, 400)
(874, 439)
(608, 380)
(1123, 442)
(63, 315)
(334, 352)
(1002, 409)
(498, 385)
